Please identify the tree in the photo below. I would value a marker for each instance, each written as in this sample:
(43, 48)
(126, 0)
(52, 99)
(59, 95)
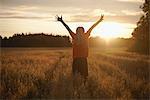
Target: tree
(36, 40)
(141, 32)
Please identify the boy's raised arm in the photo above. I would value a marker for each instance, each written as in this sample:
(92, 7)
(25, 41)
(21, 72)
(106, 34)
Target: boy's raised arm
(67, 27)
(94, 25)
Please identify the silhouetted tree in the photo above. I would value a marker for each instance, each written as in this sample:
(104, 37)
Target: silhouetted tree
(0, 39)
(46, 40)
(141, 32)
(36, 40)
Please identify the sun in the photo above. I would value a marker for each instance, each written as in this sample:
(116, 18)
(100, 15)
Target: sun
(109, 30)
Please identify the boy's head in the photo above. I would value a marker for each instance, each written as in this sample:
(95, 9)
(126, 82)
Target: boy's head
(79, 30)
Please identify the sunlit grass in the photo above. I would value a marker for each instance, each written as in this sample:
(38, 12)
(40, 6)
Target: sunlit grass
(46, 73)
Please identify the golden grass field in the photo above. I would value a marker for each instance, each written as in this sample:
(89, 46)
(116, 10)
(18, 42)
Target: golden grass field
(46, 73)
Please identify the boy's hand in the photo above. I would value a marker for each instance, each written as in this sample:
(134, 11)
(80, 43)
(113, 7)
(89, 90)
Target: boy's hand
(101, 18)
(59, 18)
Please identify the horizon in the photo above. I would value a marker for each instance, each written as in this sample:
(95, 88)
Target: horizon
(62, 36)
(39, 16)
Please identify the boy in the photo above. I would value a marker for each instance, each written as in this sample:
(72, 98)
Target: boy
(80, 47)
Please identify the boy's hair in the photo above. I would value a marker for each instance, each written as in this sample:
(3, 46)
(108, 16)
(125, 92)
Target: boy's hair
(80, 28)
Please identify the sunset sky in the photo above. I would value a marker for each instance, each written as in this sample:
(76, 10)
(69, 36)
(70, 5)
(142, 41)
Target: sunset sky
(36, 16)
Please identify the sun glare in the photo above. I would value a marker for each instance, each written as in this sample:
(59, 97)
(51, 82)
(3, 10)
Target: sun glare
(108, 30)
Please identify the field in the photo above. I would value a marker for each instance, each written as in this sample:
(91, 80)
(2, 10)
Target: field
(46, 73)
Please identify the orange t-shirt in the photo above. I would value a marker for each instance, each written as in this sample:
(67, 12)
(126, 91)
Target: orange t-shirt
(80, 45)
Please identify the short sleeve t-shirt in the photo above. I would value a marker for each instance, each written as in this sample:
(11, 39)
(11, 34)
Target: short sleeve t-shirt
(80, 45)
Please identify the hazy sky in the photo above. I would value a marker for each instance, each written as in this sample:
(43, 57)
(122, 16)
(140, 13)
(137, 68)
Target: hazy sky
(39, 15)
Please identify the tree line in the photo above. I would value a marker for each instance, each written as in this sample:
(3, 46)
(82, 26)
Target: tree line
(35, 40)
(49, 40)
(140, 34)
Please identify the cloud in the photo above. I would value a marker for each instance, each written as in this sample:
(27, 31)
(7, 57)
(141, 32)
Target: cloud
(79, 15)
(22, 17)
(89, 15)
(100, 11)
(73, 10)
(93, 4)
(123, 16)
(133, 1)
(118, 18)
(7, 13)
(127, 12)
(22, 14)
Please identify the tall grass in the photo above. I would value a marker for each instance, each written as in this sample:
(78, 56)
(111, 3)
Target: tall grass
(46, 73)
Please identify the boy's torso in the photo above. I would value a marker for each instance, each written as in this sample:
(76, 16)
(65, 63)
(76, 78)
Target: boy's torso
(80, 46)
